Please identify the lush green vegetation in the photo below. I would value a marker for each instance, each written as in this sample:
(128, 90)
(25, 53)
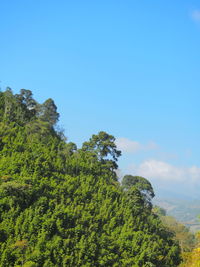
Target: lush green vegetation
(187, 240)
(192, 258)
(63, 206)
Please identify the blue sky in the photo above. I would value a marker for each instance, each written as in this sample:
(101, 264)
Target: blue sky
(131, 68)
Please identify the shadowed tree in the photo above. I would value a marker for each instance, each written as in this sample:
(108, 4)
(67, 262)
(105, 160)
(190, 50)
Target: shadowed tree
(48, 112)
(27, 99)
(26, 108)
(104, 147)
(142, 184)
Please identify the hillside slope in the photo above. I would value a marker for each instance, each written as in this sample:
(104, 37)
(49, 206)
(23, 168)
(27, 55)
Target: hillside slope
(63, 206)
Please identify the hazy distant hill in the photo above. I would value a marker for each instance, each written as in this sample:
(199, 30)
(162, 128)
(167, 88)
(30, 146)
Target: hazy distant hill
(185, 211)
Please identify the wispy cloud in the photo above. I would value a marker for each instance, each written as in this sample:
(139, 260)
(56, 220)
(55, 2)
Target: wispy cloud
(160, 170)
(195, 15)
(129, 146)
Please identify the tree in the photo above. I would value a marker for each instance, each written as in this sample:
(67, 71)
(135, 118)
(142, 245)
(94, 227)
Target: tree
(142, 184)
(21, 247)
(159, 211)
(185, 238)
(104, 147)
(9, 105)
(26, 98)
(48, 112)
(26, 105)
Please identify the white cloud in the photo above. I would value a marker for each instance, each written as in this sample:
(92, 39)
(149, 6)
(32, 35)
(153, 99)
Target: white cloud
(196, 15)
(164, 176)
(119, 174)
(160, 169)
(194, 172)
(163, 171)
(129, 146)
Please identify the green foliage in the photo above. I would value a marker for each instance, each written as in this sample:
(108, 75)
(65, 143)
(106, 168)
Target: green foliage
(48, 112)
(182, 234)
(104, 148)
(187, 240)
(142, 185)
(159, 211)
(192, 258)
(63, 206)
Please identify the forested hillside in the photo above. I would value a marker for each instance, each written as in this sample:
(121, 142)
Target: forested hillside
(63, 206)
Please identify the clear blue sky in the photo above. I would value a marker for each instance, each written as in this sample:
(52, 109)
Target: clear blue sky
(131, 68)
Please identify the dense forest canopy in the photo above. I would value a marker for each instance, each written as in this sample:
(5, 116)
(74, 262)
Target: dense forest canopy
(64, 206)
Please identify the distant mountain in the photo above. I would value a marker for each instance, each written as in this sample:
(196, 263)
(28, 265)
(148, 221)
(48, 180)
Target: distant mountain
(185, 211)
